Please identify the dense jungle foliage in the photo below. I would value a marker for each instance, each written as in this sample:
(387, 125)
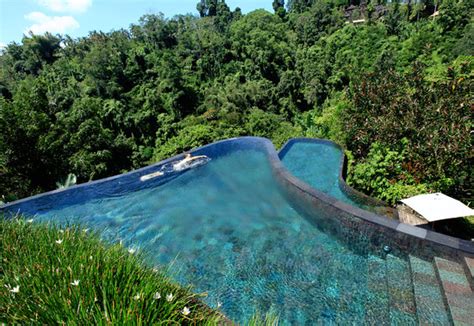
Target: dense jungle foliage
(395, 91)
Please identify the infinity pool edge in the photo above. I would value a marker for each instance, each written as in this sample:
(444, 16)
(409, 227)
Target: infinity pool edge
(417, 236)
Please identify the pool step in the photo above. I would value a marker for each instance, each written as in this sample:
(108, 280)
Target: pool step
(469, 269)
(400, 290)
(430, 306)
(457, 290)
(352, 298)
(377, 301)
(419, 291)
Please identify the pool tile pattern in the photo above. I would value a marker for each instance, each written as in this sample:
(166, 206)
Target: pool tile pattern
(469, 263)
(402, 304)
(377, 304)
(457, 290)
(430, 306)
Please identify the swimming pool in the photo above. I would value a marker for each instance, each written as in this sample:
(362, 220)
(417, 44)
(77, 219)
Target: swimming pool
(245, 231)
(321, 164)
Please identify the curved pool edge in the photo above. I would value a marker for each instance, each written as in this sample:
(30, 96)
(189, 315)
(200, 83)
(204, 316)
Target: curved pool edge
(397, 227)
(379, 206)
(404, 235)
(137, 172)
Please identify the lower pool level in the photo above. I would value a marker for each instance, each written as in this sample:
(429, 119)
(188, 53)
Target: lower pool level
(226, 229)
(318, 163)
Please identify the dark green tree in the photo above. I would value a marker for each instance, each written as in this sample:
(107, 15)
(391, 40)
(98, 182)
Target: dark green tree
(207, 7)
(279, 7)
(393, 19)
(299, 6)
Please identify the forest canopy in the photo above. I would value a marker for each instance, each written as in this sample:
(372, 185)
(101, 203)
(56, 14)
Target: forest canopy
(392, 83)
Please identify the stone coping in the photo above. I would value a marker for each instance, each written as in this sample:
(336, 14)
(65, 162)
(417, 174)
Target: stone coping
(399, 230)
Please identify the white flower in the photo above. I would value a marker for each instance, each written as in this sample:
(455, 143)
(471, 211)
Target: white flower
(137, 297)
(59, 241)
(219, 304)
(29, 221)
(16, 289)
(75, 283)
(131, 251)
(61, 231)
(157, 296)
(169, 297)
(85, 230)
(90, 257)
(186, 311)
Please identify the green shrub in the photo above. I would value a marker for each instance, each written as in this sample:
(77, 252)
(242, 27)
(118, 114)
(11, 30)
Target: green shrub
(327, 122)
(382, 174)
(434, 118)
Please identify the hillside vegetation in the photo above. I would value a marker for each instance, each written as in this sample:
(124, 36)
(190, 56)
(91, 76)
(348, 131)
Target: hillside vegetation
(395, 91)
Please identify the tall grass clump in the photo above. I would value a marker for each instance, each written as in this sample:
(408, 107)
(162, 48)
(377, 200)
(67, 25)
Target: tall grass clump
(268, 319)
(54, 276)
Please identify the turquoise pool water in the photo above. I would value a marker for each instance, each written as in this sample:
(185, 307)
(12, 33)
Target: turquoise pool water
(227, 230)
(317, 164)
